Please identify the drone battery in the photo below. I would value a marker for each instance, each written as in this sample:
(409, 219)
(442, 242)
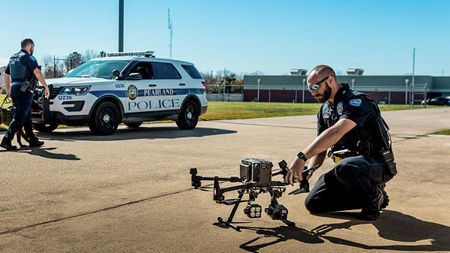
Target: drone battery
(256, 171)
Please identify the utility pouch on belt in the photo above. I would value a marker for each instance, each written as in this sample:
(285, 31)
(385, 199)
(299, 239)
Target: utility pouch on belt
(338, 155)
(388, 157)
(26, 87)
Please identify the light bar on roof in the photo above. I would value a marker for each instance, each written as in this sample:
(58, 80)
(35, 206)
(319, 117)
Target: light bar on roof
(143, 53)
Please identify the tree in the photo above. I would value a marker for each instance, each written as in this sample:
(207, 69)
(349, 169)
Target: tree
(73, 60)
(224, 82)
(89, 54)
(52, 68)
(228, 81)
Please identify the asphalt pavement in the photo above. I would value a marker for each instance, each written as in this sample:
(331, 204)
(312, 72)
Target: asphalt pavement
(131, 192)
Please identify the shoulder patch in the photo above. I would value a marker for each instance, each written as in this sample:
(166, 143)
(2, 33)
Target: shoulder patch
(340, 108)
(32, 58)
(355, 102)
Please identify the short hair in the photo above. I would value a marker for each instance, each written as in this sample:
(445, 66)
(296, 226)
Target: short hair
(324, 69)
(26, 42)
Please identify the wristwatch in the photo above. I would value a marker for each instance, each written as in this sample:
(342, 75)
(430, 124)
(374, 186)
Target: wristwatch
(302, 156)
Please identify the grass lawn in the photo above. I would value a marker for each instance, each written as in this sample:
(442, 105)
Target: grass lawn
(443, 132)
(248, 110)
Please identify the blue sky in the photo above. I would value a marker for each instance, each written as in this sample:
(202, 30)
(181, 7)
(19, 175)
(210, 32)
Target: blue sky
(244, 36)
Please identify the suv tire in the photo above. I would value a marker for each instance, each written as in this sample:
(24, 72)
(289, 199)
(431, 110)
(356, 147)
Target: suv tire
(188, 117)
(105, 119)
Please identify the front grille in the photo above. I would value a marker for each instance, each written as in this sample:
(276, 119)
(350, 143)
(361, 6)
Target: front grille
(54, 91)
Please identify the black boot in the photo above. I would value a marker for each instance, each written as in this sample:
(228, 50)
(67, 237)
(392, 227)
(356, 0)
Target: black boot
(36, 143)
(372, 211)
(385, 197)
(6, 144)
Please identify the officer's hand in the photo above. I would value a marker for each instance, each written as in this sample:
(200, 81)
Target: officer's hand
(47, 92)
(295, 174)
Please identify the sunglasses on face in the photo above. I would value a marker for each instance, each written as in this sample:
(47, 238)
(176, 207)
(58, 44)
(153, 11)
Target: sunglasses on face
(315, 86)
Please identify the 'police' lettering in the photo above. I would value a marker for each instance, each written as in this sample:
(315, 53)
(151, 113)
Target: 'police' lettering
(152, 105)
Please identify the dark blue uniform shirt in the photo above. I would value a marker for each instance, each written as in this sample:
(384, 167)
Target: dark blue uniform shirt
(357, 107)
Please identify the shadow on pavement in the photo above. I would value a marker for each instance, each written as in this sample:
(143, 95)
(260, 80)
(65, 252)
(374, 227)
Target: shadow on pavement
(392, 225)
(133, 134)
(281, 234)
(44, 152)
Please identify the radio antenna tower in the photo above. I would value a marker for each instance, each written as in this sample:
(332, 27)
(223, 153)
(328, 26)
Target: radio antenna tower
(170, 33)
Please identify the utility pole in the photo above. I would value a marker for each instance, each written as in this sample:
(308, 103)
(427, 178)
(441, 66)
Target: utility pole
(54, 65)
(425, 94)
(406, 91)
(170, 34)
(259, 81)
(121, 25)
(413, 74)
(303, 90)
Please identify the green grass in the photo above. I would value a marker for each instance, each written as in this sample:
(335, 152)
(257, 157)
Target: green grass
(248, 110)
(443, 132)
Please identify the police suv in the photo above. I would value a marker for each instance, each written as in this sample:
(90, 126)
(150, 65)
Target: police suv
(123, 87)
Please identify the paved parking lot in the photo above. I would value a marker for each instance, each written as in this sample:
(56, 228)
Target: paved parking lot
(131, 191)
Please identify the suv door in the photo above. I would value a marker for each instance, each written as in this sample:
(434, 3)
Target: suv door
(136, 102)
(170, 87)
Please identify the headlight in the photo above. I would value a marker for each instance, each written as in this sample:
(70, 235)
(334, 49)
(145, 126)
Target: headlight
(76, 91)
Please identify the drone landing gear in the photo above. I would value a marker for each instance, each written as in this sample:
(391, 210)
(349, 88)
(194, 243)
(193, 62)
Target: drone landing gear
(228, 223)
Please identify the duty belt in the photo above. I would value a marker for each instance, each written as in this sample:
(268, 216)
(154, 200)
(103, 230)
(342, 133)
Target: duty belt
(338, 155)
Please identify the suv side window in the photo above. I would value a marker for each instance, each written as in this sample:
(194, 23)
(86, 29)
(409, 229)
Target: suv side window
(163, 70)
(144, 68)
(192, 71)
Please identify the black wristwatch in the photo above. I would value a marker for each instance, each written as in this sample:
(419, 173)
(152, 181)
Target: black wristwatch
(302, 156)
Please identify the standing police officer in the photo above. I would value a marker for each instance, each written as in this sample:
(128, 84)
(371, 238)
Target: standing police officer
(21, 68)
(351, 125)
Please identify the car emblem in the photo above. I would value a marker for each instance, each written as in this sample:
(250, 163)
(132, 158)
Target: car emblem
(132, 92)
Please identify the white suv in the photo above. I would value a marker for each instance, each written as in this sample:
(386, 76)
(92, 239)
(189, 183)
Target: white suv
(123, 87)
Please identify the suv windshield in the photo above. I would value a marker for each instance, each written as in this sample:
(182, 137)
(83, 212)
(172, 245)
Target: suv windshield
(100, 69)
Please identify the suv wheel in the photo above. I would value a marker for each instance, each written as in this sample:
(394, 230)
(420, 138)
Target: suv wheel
(133, 124)
(188, 117)
(105, 119)
(45, 127)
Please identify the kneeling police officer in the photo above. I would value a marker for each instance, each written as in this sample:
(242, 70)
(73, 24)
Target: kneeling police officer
(350, 124)
(21, 68)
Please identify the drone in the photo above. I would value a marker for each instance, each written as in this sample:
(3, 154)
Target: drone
(255, 178)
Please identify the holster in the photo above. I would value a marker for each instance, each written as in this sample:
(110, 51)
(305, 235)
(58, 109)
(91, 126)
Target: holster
(25, 87)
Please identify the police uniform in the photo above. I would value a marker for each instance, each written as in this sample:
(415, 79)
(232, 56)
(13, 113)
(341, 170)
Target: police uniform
(354, 182)
(20, 68)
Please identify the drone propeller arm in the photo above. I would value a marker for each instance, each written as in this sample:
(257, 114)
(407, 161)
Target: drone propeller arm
(196, 180)
(236, 187)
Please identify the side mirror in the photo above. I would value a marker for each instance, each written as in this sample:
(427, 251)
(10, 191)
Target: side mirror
(116, 74)
(135, 76)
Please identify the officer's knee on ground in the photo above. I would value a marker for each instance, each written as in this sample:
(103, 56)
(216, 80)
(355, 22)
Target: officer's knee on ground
(312, 204)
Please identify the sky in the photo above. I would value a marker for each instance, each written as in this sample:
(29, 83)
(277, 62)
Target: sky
(244, 36)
